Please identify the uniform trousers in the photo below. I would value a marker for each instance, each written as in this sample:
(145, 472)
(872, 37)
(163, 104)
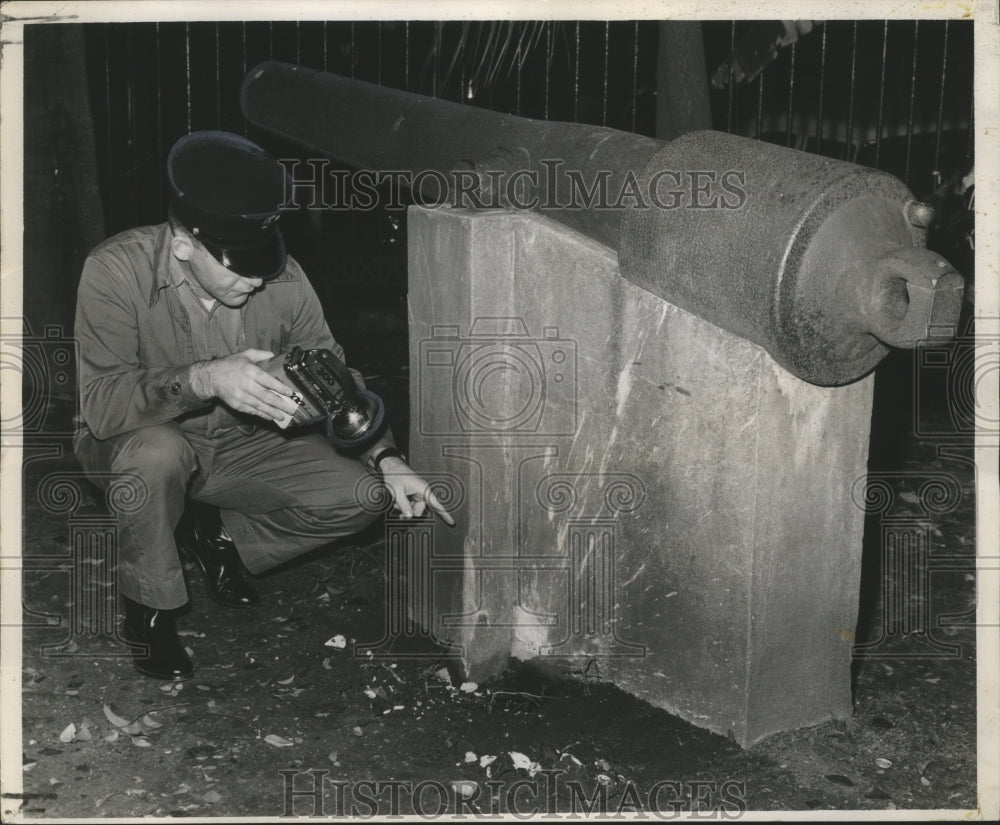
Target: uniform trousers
(279, 494)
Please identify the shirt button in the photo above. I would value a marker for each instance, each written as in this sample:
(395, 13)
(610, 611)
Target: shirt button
(175, 388)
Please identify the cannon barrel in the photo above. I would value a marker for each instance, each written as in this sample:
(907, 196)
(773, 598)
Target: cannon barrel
(819, 261)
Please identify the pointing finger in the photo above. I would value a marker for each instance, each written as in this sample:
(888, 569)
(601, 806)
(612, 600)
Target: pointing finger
(438, 507)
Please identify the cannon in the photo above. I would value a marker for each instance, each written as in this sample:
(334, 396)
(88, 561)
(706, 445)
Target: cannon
(820, 262)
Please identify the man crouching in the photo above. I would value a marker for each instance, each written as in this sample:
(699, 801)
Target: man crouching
(172, 322)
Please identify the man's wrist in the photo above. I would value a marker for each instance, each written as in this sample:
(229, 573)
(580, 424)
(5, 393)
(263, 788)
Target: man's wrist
(199, 377)
(383, 453)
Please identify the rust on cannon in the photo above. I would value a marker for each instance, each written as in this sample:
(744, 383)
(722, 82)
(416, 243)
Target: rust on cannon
(820, 262)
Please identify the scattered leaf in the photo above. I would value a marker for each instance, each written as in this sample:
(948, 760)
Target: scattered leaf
(141, 742)
(212, 797)
(83, 734)
(287, 681)
(839, 779)
(357, 731)
(114, 718)
(278, 741)
(332, 756)
(133, 728)
(884, 764)
(112, 737)
(326, 664)
(150, 722)
(925, 781)
(68, 734)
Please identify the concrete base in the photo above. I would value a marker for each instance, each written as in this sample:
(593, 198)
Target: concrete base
(632, 485)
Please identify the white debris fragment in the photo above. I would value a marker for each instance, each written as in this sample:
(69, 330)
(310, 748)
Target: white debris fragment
(338, 642)
(68, 734)
(522, 762)
(468, 687)
(486, 760)
(464, 788)
(278, 741)
(470, 757)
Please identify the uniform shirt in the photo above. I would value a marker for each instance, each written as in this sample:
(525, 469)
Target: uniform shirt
(216, 331)
(138, 337)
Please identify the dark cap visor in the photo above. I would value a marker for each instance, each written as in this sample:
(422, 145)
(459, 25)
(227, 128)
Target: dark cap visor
(264, 259)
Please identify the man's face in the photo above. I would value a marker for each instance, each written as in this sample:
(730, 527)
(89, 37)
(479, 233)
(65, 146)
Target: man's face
(217, 282)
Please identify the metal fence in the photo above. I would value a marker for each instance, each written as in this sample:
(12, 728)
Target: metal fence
(895, 95)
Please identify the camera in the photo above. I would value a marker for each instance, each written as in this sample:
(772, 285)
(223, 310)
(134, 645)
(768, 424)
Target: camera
(498, 379)
(48, 366)
(324, 389)
(955, 382)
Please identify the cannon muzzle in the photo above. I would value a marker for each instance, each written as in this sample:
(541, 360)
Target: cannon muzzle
(819, 261)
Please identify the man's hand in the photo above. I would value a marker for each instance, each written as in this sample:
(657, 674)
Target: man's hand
(411, 493)
(238, 382)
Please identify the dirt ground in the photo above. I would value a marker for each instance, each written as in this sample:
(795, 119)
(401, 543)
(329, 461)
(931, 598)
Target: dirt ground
(279, 703)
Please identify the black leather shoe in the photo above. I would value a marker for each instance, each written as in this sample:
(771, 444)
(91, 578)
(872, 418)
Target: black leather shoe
(202, 537)
(162, 656)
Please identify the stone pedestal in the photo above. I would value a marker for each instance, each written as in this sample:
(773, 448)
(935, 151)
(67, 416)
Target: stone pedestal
(634, 487)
